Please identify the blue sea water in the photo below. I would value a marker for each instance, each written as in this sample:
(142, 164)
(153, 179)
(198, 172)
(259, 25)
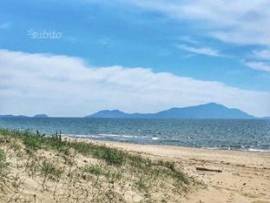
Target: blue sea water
(224, 134)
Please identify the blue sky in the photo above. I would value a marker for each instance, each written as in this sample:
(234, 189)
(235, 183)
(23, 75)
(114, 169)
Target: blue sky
(211, 41)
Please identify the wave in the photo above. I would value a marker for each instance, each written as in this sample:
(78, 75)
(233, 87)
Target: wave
(119, 135)
(258, 150)
(238, 149)
(102, 135)
(158, 140)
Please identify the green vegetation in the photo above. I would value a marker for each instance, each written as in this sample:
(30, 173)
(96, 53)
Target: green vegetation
(110, 155)
(48, 170)
(2, 162)
(94, 169)
(35, 141)
(2, 156)
(56, 159)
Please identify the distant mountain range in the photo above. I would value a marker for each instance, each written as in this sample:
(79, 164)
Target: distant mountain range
(22, 116)
(204, 111)
(13, 116)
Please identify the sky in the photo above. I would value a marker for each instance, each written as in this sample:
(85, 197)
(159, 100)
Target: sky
(76, 57)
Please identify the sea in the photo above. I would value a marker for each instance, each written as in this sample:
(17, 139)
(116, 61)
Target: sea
(247, 135)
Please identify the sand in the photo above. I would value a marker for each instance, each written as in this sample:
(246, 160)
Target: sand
(245, 176)
(235, 177)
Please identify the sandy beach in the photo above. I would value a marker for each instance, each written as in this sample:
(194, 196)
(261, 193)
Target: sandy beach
(244, 176)
(135, 101)
(35, 168)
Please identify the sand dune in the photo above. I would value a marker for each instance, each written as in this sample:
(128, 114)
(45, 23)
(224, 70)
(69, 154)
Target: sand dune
(35, 168)
(245, 176)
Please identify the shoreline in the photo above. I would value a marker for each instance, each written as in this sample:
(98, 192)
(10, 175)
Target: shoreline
(173, 151)
(132, 172)
(234, 176)
(249, 150)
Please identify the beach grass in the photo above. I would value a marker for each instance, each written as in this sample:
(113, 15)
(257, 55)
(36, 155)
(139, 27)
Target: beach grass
(85, 171)
(2, 162)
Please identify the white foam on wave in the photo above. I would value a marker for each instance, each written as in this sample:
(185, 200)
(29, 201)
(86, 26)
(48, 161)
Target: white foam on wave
(258, 150)
(104, 136)
(117, 135)
(100, 135)
(109, 135)
(81, 136)
(240, 149)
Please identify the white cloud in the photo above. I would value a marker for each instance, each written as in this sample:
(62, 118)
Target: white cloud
(67, 86)
(259, 60)
(262, 54)
(235, 21)
(199, 50)
(258, 65)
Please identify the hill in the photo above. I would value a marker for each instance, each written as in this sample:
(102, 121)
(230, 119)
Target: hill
(41, 116)
(204, 111)
(23, 116)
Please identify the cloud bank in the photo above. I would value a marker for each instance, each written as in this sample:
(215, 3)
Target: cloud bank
(67, 86)
(257, 65)
(234, 21)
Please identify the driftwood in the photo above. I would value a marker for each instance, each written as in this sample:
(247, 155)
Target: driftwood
(208, 169)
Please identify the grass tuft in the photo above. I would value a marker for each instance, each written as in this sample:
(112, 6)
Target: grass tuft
(110, 155)
(3, 163)
(49, 171)
(94, 169)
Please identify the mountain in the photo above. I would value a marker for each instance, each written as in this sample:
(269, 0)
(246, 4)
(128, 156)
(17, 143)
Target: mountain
(211, 110)
(13, 116)
(23, 116)
(110, 114)
(41, 116)
(204, 111)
